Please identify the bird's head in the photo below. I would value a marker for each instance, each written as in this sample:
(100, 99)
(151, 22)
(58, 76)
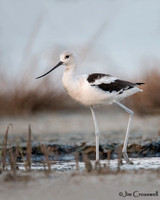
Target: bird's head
(67, 58)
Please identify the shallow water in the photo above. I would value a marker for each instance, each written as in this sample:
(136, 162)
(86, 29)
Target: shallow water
(68, 127)
(139, 163)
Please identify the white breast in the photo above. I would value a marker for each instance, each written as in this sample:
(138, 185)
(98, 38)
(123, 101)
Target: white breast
(81, 90)
(74, 85)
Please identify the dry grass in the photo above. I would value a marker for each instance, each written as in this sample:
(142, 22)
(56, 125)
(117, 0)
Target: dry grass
(29, 149)
(22, 95)
(10, 167)
(23, 99)
(25, 96)
(148, 102)
(4, 148)
(44, 151)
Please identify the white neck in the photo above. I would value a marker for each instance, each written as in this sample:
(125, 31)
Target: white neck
(68, 77)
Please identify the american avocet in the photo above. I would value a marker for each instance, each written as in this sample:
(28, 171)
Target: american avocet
(96, 89)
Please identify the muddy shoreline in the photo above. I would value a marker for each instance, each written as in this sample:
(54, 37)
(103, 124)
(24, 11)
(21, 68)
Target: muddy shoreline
(64, 152)
(68, 138)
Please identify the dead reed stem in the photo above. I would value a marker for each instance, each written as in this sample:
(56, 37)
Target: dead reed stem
(21, 154)
(119, 159)
(98, 166)
(92, 41)
(17, 153)
(88, 164)
(76, 160)
(29, 149)
(12, 161)
(109, 157)
(4, 149)
(44, 151)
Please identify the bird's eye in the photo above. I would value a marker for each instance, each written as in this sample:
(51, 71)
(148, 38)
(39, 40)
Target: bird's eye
(67, 56)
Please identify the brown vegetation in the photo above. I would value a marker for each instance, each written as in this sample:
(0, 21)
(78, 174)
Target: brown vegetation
(22, 99)
(148, 102)
(10, 165)
(26, 96)
(45, 97)
(10, 158)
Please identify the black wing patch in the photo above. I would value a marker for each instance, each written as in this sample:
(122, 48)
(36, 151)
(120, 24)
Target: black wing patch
(96, 76)
(116, 86)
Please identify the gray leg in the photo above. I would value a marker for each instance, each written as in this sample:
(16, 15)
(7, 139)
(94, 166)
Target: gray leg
(97, 133)
(124, 150)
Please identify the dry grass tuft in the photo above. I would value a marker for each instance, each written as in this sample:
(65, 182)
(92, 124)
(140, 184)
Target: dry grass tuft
(98, 169)
(44, 151)
(4, 148)
(27, 100)
(22, 96)
(148, 102)
(29, 149)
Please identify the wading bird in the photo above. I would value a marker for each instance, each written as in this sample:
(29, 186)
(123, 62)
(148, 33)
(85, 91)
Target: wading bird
(96, 89)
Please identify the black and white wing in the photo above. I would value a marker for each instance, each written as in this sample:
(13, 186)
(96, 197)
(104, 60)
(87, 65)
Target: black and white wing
(109, 83)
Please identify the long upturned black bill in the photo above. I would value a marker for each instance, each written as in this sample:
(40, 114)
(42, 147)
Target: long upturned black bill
(60, 63)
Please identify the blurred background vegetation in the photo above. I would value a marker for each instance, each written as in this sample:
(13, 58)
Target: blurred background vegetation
(116, 37)
(21, 98)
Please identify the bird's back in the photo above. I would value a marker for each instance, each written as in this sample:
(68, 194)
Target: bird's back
(98, 88)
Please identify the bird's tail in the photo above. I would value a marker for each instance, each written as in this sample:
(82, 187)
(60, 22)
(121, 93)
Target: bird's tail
(140, 83)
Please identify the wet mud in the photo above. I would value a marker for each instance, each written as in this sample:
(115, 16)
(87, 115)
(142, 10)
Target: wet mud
(61, 152)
